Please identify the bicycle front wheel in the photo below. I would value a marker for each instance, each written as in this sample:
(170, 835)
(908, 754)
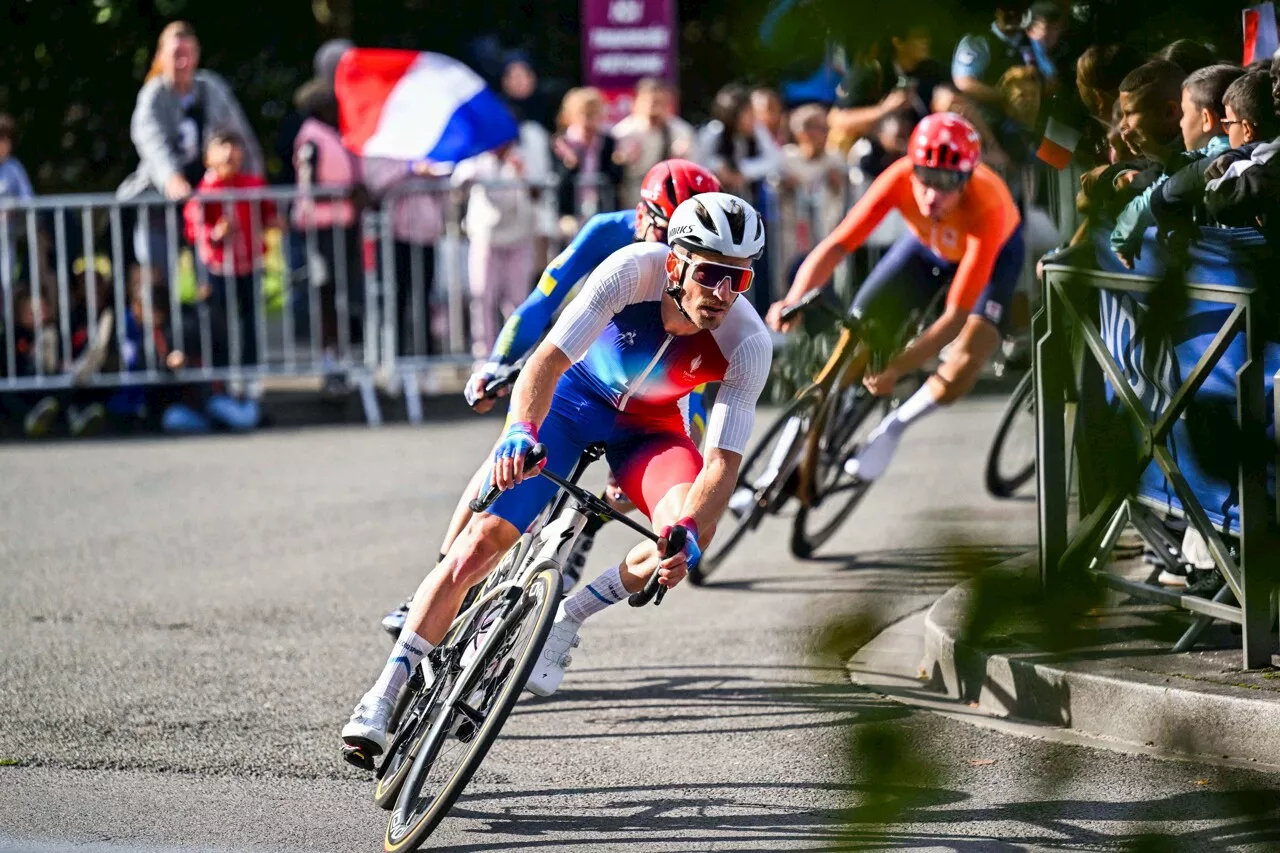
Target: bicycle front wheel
(458, 744)
(833, 494)
(1012, 459)
(765, 481)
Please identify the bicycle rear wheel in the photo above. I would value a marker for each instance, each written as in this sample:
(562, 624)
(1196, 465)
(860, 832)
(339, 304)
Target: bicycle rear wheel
(851, 414)
(447, 759)
(1011, 461)
(767, 473)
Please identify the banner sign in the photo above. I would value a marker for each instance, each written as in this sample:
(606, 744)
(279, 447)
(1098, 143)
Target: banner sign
(624, 41)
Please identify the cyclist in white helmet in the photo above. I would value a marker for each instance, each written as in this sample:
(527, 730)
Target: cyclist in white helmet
(652, 323)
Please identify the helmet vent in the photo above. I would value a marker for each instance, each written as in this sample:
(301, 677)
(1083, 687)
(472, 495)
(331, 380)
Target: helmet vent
(737, 217)
(704, 218)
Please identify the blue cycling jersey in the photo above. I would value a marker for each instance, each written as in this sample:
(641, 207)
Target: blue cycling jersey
(601, 236)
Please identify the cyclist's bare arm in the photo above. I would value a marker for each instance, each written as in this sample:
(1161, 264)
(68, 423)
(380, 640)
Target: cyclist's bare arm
(709, 496)
(851, 233)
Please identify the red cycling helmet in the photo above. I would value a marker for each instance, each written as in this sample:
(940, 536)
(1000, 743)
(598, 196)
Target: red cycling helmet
(671, 182)
(945, 141)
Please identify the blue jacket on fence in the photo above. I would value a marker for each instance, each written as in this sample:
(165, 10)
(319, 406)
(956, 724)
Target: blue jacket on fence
(1126, 237)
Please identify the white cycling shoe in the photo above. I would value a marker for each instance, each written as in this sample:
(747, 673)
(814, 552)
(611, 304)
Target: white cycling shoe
(741, 501)
(365, 734)
(873, 459)
(548, 671)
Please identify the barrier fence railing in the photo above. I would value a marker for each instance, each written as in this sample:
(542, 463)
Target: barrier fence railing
(1074, 363)
(281, 282)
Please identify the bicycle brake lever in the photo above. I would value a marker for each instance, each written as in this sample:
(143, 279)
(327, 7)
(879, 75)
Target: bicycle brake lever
(652, 589)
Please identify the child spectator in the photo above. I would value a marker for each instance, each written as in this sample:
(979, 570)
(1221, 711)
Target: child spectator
(501, 222)
(1188, 55)
(1151, 109)
(814, 180)
(14, 183)
(1247, 193)
(1203, 138)
(1099, 72)
(230, 239)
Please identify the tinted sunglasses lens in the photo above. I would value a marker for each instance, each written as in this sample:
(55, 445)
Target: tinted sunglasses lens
(712, 275)
(943, 180)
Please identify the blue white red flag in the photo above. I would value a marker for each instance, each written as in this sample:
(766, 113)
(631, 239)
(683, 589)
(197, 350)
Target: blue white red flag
(415, 106)
(1260, 38)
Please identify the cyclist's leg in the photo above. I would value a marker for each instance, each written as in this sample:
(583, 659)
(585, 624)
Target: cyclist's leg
(973, 347)
(904, 281)
(473, 554)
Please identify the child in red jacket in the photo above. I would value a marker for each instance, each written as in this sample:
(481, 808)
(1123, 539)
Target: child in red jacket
(230, 239)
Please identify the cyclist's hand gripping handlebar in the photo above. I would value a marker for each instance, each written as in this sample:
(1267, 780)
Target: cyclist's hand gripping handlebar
(532, 460)
(652, 589)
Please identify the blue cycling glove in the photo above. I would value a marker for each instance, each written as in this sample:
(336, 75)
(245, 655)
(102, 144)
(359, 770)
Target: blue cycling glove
(520, 438)
(692, 553)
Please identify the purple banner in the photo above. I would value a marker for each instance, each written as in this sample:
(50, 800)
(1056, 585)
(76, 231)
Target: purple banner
(625, 40)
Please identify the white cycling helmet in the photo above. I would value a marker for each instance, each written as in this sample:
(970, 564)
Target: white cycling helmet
(717, 222)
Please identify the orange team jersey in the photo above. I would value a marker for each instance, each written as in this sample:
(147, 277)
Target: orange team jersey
(972, 235)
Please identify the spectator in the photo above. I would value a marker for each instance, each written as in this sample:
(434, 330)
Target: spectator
(650, 134)
(178, 109)
(743, 155)
(1151, 110)
(1203, 138)
(1188, 55)
(1046, 30)
(981, 59)
(813, 200)
(589, 173)
(501, 222)
(230, 240)
(1250, 116)
(333, 247)
(1247, 192)
(743, 152)
(325, 65)
(899, 75)
(1099, 71)
(14, 183)
(35, 350)
(873, 154)
(1174, 202)
(520, 90)
(766, 104)
(417, 223)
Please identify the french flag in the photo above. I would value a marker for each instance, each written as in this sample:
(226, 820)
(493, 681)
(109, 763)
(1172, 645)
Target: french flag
(1059, 144)
(1260, 39)
(414, 106)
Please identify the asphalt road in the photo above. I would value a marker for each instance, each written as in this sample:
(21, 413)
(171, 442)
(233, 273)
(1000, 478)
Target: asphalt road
(185, 625)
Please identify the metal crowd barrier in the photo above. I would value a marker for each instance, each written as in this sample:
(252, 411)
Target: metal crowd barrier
(1072, 360)
(376, 295)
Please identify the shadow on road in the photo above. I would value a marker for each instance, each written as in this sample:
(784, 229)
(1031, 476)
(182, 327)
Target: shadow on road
(755, 814)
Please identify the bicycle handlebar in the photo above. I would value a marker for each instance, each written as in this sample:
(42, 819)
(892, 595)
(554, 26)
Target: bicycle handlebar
(811, 297)
(531, 460)
(504, 378)
(675, 540)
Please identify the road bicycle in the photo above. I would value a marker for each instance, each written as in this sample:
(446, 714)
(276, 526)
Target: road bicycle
(454, 707)
(1011, 461)
(801, 454)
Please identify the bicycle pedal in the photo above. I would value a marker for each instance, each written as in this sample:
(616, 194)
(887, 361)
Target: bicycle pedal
(358, 756)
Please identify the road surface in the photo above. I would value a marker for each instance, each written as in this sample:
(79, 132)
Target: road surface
(185, 625)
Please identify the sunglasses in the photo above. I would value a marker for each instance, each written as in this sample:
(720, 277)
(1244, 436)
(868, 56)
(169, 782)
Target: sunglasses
(657, 221)
(712, 274)
(942, 180)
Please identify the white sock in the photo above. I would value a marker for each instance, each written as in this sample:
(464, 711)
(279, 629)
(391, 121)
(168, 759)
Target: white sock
(882, 444)
(408, 652)
(595, 596)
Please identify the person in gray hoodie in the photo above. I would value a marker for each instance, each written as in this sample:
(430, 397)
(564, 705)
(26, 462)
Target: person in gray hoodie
(179, 108)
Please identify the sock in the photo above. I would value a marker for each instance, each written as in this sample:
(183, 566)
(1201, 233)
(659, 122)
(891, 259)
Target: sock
(408, 652)
(881, 445)
(595, 596)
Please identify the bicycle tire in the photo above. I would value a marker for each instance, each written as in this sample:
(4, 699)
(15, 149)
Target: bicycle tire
(547, 580)
(998, 484)
(733, 528)
(392, 768)
(839, 439)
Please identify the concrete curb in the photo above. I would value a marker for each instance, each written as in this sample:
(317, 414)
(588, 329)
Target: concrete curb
(1099, 698)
